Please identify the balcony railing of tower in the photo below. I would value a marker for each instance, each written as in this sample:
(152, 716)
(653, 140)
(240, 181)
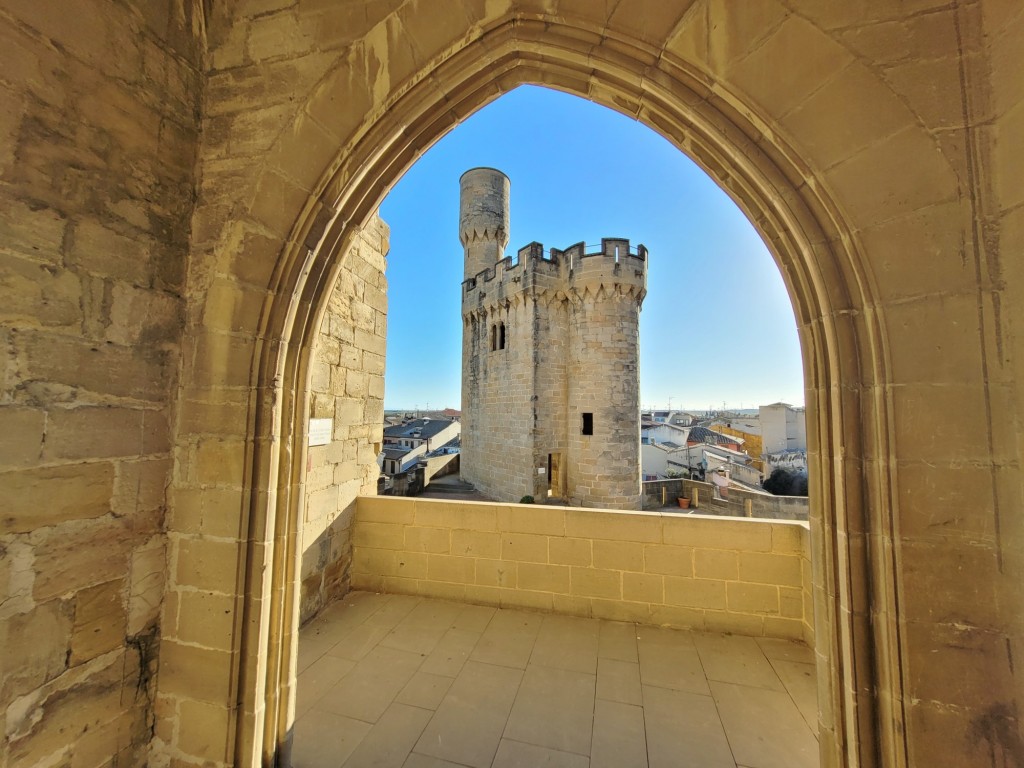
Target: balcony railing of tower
(614, 248)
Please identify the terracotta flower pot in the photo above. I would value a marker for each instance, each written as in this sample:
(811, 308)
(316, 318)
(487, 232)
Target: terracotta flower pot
(683, 502)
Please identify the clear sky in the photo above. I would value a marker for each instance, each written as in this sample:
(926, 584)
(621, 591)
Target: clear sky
(717, 325)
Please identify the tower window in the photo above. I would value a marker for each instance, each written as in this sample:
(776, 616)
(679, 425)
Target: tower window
(501, 336)
(494, 337)
(588, 423)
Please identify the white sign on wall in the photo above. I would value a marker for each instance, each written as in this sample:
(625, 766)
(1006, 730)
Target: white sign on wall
(320, 431)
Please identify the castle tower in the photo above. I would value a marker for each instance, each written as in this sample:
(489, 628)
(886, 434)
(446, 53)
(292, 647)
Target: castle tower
(550, 361)
(483, 217)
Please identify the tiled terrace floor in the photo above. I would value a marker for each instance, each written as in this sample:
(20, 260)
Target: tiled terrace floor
(420, 683)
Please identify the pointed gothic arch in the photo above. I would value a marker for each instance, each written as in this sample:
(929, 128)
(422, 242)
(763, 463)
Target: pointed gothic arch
(843, 344)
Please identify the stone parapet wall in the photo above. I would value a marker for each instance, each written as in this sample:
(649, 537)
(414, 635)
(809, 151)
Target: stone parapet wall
(574, 268)
(749, 577)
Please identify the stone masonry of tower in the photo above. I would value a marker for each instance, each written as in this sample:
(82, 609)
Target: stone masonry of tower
(550, 360)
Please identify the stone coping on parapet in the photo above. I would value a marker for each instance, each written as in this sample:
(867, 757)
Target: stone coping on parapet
(569, 263)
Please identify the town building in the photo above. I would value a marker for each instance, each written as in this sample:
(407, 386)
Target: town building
(543, 334)
(404, 444)
(784, 437)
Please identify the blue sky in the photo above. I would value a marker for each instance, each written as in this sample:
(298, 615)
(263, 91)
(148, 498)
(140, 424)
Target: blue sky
(717, 325)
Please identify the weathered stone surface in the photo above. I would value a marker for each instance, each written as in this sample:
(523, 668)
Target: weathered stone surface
(48, 496)
(340, 392)
(874, 145)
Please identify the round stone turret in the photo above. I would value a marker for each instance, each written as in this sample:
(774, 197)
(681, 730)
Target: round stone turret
(483, 218)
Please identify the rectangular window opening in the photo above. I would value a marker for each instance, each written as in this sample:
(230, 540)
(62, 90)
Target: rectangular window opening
(588, 423)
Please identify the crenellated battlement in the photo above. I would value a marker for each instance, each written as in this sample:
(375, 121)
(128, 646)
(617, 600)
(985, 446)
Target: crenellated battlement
(613, 262)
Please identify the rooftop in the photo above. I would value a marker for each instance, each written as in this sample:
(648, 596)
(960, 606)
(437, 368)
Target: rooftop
(421, 428)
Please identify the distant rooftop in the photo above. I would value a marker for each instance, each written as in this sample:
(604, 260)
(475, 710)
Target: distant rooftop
(419, 428)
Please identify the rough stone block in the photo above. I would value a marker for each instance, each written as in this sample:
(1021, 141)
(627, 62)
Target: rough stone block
(569, 551)
(715, 564)
(385, 536)
(543, 578)
(476, 544)
(643, 588)
(695, 593)
(207, 564)
(194, 673)
(668, 560)
(497, 573)
(595, 582)
(753, 598)
(780, 570)
(100, 621)
(524, 518)
(461, 570)
(437, 541)
(614, 526)
(48, 496)
(524, 547)
(619, 555)
(22, 429)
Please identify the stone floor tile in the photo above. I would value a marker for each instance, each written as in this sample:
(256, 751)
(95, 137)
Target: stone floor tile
(683, 729)
(393, 611)
(416, 760)
(619, 738)
(391, 739)
(368, 698)
(668, 659)
(325, 740)
(567, 642)
(508, 639)
(312, 648)
(451, 653)
(619, 681)
(554, 708)
(425, 690)
(416, 638)
(357, 643)
(469, 722)
(342, 616)
(764, 727)
(319, 678)
(516, 754)
(801, 684)
(367, 691)
(474, 618)
(435, 613)
(785, 650)
(735, 659)
(617, 640)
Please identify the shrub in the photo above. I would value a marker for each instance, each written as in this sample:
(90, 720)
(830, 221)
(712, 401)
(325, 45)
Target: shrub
(786, 482)
(527, 499)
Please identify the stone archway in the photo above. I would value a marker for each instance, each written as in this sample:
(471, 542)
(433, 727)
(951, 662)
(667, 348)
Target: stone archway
(823, 201)
(843, 355)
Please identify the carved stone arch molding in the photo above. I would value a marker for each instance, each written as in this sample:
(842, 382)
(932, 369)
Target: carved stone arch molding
(843, 343)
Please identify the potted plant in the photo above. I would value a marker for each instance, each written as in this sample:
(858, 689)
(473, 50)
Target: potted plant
(684, 502)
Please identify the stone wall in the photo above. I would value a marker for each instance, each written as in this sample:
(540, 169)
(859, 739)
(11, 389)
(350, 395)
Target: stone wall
(347, 385)
(874, 146)
(99, 130)
(570, 326)
(719, 574)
